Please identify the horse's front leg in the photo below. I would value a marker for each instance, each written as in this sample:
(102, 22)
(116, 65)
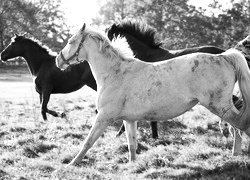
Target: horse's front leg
(237, 141)
(131, 128)
(44, 102)
(45, 99)
(99, 126)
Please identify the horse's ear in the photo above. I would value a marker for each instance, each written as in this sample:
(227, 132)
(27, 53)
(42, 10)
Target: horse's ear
(83, 27)
(114, 26)
(16, 35)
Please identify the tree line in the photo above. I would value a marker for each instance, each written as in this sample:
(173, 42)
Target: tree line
(178, 24)
(181, 25)
(41, 19)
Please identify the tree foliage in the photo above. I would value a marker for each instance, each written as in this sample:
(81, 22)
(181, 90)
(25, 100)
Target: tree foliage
(41, 19)
(182, 25)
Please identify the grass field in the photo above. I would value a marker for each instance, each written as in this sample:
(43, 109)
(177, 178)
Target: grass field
(189, 147)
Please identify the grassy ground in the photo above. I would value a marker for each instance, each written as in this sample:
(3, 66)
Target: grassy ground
(189, 147)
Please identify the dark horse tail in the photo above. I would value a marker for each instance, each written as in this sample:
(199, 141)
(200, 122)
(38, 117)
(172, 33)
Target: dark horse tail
(242, 72)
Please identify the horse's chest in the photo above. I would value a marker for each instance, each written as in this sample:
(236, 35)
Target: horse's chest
(40, 82)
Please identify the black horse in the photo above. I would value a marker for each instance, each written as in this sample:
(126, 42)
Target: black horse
(143, 42)
(49, 79)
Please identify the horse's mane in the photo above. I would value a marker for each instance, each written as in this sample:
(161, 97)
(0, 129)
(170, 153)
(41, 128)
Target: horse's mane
(138, 29)
(35, 43)
(118, 47)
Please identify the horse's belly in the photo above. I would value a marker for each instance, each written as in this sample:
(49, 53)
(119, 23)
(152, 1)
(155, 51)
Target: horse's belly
(156, 111)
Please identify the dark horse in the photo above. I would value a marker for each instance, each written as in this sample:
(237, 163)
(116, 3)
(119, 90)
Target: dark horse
(143, 42)
(49, 79)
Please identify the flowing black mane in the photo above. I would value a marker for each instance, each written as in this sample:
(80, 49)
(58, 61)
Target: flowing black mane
(139, 30)
(35, 44)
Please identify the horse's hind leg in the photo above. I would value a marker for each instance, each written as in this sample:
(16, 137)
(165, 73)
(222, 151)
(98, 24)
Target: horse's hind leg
(237, 142)
(131, 128)
(229, 113)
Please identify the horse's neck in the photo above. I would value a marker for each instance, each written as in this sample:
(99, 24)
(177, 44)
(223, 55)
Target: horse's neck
(103, 68)
(162, 54)
(100, 69)
(180, 52)
(35, 61)
(110, 71)
(145, 52)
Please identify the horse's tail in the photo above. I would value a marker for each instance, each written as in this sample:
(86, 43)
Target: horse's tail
(242, 72)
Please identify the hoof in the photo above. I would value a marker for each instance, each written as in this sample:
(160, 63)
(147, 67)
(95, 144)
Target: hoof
(63, 115)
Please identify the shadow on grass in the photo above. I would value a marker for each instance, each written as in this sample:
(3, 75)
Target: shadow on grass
(3, 174)
(32, 151)
(73, 135)
(233, 170)
(86, 161)
(230, 170)
(124, 149)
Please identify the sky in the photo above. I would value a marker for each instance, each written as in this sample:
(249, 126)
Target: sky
(82, 11)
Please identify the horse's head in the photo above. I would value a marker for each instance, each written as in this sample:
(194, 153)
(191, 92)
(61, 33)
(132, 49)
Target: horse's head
(70, 53)
(14, 49)
(244, 46)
